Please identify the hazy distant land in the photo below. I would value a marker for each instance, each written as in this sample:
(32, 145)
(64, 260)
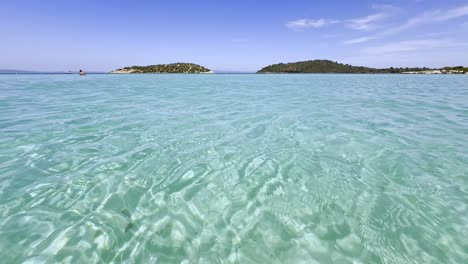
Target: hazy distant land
(165, 68)
(328, 66)
(311, 66)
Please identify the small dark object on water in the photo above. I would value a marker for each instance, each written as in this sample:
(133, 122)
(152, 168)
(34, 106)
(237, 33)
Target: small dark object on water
(82, 73)
(126, 213)
(129, 225)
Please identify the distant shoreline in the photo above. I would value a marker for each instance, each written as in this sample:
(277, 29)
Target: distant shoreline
(328, 66)
(300, 67)
(229, 73)
(64, 73)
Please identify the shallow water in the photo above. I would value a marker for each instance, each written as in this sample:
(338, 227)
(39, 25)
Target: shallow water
(233, 169)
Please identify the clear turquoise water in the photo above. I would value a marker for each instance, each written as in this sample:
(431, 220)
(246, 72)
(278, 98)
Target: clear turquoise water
(233, 169)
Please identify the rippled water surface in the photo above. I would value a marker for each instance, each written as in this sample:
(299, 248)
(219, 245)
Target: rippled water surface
(233, 169)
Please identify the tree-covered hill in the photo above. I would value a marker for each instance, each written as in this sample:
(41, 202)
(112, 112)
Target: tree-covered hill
(165, 68)
(327, 66)
(456, 68)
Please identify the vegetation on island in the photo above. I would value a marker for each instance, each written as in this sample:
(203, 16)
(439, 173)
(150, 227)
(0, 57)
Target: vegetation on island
(165, 68)
(328, 66)
(456, 68)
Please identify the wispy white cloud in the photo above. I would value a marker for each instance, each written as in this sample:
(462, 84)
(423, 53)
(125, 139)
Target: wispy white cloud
(305, 23)
(452, 13)
(412, 45)
(427, 17)
(359, 40)
(366, 23)
(371, 22)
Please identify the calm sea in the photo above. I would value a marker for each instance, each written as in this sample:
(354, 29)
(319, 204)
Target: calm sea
(233, 169)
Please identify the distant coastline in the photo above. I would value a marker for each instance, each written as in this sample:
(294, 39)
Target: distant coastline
(12, 71)
(165, 68)
(328, 66)
(304, 67)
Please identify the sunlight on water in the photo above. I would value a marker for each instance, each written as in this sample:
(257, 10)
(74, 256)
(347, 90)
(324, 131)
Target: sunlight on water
(233, 169)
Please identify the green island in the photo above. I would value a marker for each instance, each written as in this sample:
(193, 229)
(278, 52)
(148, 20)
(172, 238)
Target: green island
(457, 68)
(165, 68)
(328, 66)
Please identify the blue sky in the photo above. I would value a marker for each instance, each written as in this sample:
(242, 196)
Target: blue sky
(230, 35)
